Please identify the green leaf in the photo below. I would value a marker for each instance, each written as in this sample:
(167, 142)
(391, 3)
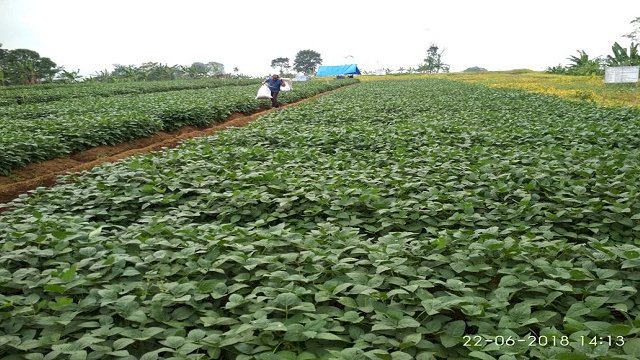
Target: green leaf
(449, 341)
(348, 302)
(351, 316)
(455, 328)
(69, 274)
(196, 335)
(632, 347)
(95, 232)
(122, 343)
(571, 356)
(407, 323)
(152, 355)
(137, 316)
(119, 353)
(576, 310)
(619, 330)
(412, 339)
(188, 348)
(399, 355)
(481, 355)
(305, 307)
(598, 327)
(594, 302)
(521, 312)
(34, 356)
(432, 306)
(173, 342)
(287, 299)
(148, 333)
(328, 336)
(78, 355)
(382, 327)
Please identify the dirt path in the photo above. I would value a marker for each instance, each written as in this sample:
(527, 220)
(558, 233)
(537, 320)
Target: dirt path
(45, 173)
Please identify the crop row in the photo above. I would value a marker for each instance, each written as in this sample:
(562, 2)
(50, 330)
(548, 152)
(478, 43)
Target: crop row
(383, 221)
(43, 93)
(43, 131)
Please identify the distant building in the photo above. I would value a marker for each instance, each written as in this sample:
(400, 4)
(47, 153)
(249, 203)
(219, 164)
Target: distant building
(338, 70)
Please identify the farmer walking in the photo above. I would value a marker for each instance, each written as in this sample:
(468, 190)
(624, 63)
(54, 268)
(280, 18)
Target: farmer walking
(274, 83)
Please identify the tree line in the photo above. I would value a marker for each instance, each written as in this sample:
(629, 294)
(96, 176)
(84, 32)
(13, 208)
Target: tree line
(28, 67)
(155, 71)
(583, 64)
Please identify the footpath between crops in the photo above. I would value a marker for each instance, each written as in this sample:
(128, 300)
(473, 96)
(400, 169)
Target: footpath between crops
(44, 174)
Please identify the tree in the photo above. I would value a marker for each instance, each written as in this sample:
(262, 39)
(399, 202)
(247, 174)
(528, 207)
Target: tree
(433, 62)
(24, 66)
(282, 63)
(3, 53)
(635, 34)
(199, 70)
(215, 68)
(306, 61)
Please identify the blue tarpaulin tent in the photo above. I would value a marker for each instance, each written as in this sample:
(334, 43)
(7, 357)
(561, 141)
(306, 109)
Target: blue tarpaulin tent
(337, 70)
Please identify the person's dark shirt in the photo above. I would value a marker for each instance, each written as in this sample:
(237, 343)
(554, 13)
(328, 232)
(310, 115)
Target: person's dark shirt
(274, 85)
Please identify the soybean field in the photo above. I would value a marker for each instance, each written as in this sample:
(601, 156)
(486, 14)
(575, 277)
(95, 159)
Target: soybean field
(415, 219)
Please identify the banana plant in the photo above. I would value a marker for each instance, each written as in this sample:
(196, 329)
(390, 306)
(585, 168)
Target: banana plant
(621, 57)
(582, 65)
(27, 72)
(102, 76)
(579, 61)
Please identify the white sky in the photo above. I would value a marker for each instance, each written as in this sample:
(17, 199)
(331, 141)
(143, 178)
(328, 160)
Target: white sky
(92, 35)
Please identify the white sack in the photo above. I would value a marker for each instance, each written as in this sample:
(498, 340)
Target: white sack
(264, 92)
(286, 86)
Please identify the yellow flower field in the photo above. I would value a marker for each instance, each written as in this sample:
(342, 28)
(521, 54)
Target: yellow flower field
(584, 88)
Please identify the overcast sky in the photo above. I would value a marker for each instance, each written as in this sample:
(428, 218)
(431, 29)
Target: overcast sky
(92, 35)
